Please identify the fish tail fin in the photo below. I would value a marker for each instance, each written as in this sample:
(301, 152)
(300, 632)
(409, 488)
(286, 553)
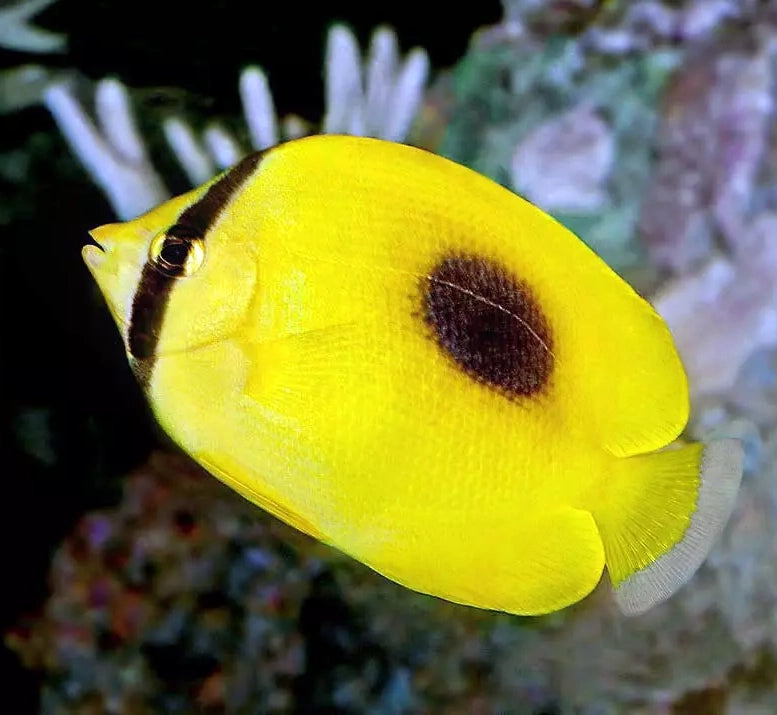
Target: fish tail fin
(661, 516)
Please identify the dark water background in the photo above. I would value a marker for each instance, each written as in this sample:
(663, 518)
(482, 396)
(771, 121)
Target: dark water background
(60, 355)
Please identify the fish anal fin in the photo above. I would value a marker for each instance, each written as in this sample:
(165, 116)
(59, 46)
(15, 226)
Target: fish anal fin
(525, 567)
(558, 559)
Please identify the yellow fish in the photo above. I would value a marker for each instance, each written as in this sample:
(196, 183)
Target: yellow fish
(407, 361)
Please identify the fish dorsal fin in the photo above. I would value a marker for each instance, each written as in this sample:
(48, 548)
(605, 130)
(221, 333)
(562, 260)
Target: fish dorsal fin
(634, 386)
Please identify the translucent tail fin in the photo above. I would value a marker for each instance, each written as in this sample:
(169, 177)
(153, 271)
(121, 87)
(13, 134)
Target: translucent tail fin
(661, 516)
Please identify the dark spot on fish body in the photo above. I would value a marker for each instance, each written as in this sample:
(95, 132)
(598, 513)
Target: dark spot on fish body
(490, 323)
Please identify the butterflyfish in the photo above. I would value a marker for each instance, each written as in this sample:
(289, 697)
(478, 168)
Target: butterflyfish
(408, 362)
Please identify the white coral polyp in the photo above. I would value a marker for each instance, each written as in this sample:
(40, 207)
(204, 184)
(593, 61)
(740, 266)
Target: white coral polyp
(379, 97)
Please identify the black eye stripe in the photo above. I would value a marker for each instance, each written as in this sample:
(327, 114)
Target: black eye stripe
(150, 300)
(183, 232)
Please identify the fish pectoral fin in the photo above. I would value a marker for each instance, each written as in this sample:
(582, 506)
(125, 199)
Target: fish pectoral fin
(287, 372)
(219, 465)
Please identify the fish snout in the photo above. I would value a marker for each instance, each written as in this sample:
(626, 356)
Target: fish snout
(93, 254)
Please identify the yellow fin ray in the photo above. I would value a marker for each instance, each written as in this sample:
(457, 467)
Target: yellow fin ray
(662, 515)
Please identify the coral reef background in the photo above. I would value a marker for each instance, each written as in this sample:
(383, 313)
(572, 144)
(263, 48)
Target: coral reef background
(138, 584)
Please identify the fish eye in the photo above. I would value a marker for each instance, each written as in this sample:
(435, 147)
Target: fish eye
(176, 254)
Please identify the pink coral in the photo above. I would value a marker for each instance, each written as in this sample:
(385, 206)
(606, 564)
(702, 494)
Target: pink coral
(710, 145)
(726, 310)
(564, 163)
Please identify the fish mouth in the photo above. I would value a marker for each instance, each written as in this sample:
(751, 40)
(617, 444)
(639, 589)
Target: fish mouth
(94, 242)
(96, 256)
(93, 253)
